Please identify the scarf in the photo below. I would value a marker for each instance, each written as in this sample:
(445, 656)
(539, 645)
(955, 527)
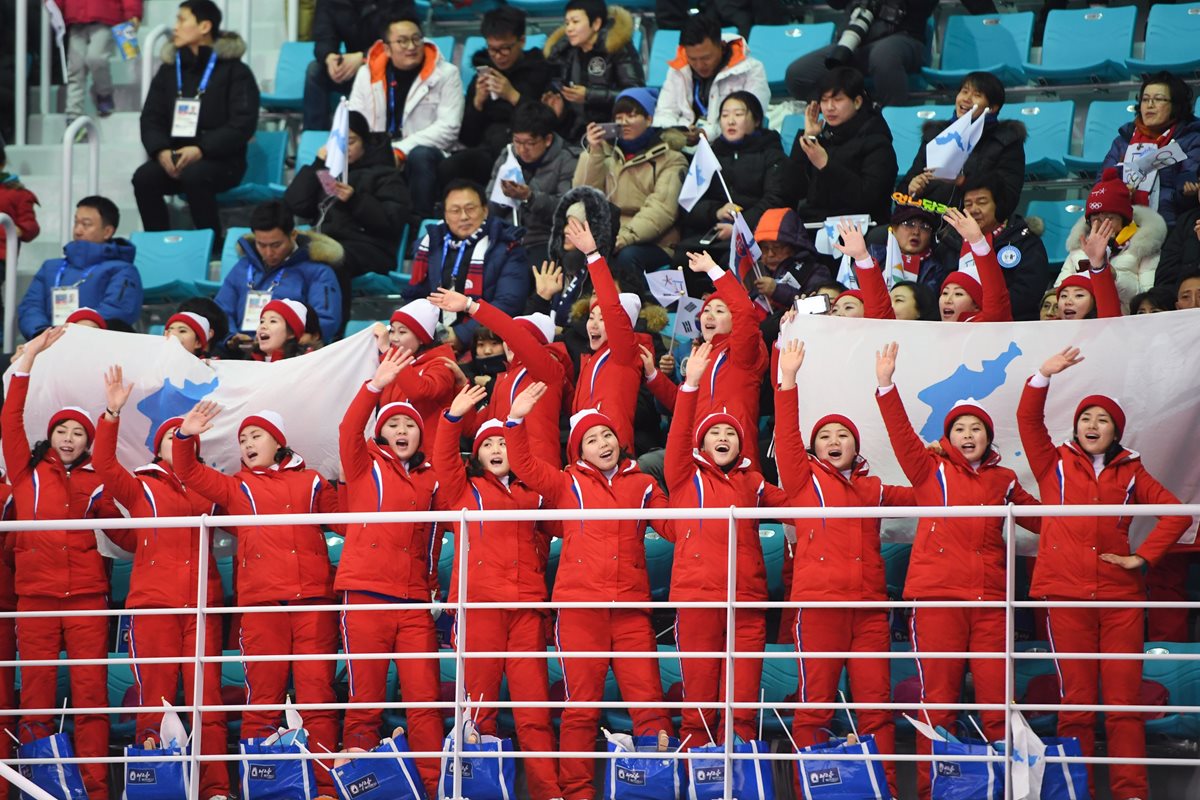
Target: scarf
(632, 147)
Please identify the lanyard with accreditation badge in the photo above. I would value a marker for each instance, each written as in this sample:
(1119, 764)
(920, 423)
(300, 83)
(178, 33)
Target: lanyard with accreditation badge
(187, 109)
(256, 299)
(64, 300)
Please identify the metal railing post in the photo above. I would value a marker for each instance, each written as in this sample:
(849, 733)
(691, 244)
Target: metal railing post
(68, 168)
(44, 63)
(247, 30)
(293, 20)
(201, 648)
(730, 646)
(461, 546)
(21, 74)
(27, 787)
(12, 245)
(1010, 591)
(149, 45)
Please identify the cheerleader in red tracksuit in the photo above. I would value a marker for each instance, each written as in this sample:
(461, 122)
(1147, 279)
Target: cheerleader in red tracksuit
(277, 565)
(430, 383)
(602, 560)
(836, 559)
(392, 562)
(164, 576)
(1092, 291)
(8, 629)
(1090, 558)
(954, 558)
(705, 468)
(507, 565)
(57, 570)
(281, 329)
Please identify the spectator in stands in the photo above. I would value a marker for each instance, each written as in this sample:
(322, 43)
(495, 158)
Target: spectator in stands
(593, 60)
(1180, 251)
(642, 175)
(366, 213)
(1016, 241)
(200, 113)
(561, 283)
(846, 164)
(1133, 252)
(1152, 301)
(913, 228)
(474, 253)
(740, 14)
(411, 89)
(547, 168)
(1000, 151)
(892, 49)
(707, 68)
(1049, 308)
(18, 203)
(96, 271)
(342, 33)
(791, 266)
(505, 74)
(276, 263)
(207, 309)
(1164, 114)
(90, 46)
(1188, 294)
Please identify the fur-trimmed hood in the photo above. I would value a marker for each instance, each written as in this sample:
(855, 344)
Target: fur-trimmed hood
(1146, 243)
(601, 215)
(230, 46)
(616, 32)
(317, 246)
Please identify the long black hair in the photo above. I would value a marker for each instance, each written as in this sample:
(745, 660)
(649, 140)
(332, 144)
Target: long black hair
(926, 300)
(42, 448)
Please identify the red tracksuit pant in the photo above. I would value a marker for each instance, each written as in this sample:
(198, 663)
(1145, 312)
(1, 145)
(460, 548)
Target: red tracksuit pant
(494, 630)
(8, 692)
(975, 630)
(703, 630)
(613, 630)
(855, 630)
(420, 679)
(1102, 630)
(40, 638)
(175, 636)
(297, 632)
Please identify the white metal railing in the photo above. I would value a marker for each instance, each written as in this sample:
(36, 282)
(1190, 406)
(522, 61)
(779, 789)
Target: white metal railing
(12, 245)
(21, 74)
(149, 58)
(68, 168)
(1009, 514)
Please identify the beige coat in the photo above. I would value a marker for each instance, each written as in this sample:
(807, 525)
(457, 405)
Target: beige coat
(645, 189)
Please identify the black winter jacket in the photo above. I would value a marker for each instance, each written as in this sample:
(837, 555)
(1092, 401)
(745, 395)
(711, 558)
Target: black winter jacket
(1023, 260)
(549, 181)
(759, 176)
(1180, 252)
(489, 127)
(859, 176)
(999, 152)
(357, 24)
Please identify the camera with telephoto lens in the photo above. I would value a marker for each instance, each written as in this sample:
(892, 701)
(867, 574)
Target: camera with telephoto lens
(862, 17)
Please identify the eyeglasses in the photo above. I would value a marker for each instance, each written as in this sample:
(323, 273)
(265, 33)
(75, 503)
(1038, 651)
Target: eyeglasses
(502, 49)
(1154, 100)
(406, 42)
(526, 143)
(913, 223)
(463, 211)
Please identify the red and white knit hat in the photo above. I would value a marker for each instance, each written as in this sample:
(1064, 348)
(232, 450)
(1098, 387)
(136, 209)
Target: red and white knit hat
(161, 433)
(969, 406)
(581, 422)
(72, 414)
(540, 325)
(968, 278)
(1110, 196)
(294, 313)
(399, 408)
(722, 417)
(838, 419)
(86, 314)
(493, 427)
(199, 325)
(269, 421)
(420, 317)
(630, 302)
(1081, 280)
(1109, 404)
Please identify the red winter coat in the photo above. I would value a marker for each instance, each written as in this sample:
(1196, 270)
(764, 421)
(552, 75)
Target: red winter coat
(835, 559)
(507, 559)
(532, 361)
(18, 203)
(953, 558)
(161, 557)
(274, 562)
(701, 566)
(429, 385)
(8, 594)
(1068, 562)
(108, 12)
(394, 559)
(53, 563)
(600, 558)
(609, 378)
(996, 306)
(877, 301)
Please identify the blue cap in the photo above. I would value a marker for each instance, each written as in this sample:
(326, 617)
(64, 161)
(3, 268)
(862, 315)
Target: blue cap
(644, 97)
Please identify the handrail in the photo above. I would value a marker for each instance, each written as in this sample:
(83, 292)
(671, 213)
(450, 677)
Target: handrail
(149, 48)
(27, 787)
(68, 168)
(21, 74)
(46, 49)
(293, 20)
(12, 244)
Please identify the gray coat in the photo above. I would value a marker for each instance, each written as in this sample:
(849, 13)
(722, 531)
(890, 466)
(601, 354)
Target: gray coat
(549, 181)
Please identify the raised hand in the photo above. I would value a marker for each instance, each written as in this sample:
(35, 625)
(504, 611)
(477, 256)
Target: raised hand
(523, 403)
(647, 360)
(700, 262)
(1065, 359)
(200, 418)
(450, 300)
(390, 367)
(382, 339)
(469, 398)
(548, 281)
(116, 391)
(966, 225)
(697, 364)
(38, 344)
(1095, 243)
(791, 357)
(460, 377)
(812, 118)
(667, 364)
(853, 244)
(579, 234)
(885, 363)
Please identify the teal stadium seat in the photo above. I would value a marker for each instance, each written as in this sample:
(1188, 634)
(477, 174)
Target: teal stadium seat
(1087, 45)
(120, 679)
(1058, 216)
(780, 682)
(663, 48)
(308, 145)
(618, 719)
(792, 125)
(1171, 34)
(263, 180)
(290, 69)
(1182, 680)
(774, 546)
(171, 262)
(1049, 125)
(907, 123)
(776, 46)
(355, 325)
(122, 569)
(995, 43)
(473, 44)
(230, 255)
(1104, 117)
(334, 542)
(660, 555)
(895, 564)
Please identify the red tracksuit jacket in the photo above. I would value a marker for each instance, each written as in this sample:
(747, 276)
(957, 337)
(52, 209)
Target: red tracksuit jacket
(8, 594)
(953, 558)
(429, 385)
(836, 559)
(609, 378)
(51, 563)
(161, 558)
(701, 567)
(396, 560)
(600, 558)
(275, 563)
(1068, 562)
(507, 559)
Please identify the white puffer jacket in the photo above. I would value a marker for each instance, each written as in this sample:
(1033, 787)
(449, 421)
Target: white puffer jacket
(1133, 266)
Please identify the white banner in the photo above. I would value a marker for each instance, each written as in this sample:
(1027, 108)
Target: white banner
(311, 392)
(1150, 363)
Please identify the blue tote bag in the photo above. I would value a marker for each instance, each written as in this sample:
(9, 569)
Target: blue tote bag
(272, 779)
(966, 780)
(483, 777)
(752, 779)
(157, 780)
(646, 773)
(1065, 780)
(843, 779)
(64, 781)
(381, 778)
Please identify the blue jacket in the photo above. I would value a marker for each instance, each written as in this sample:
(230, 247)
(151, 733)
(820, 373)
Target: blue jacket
(111, 284)
(307, 275)
(1172, 202)
(506, 272)
(931, 272)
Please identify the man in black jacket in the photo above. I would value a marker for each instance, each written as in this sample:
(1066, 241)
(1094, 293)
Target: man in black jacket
(200, 113)
(342, 31)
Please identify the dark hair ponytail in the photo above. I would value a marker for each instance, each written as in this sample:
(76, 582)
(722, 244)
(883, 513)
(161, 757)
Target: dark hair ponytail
(284, 453)
(39, 453)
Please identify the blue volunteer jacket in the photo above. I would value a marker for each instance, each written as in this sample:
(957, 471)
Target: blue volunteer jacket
(110, 284)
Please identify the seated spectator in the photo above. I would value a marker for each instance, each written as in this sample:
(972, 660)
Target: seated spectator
(1164, 114)
(1152, 301)
(708, 68)
(505, 74)
(740, 14)
(1180, 251)
(845, 165)
(279, 263)
(642, 175)
(1000, 151)
(206, 308)
(1188, 293)
(411, 90)
(913, 228)
(366, 214)
(342, 32)
(1016, 242)
(200, 113)
(592, 59)
(18, 203)
(790, 264)
(1049, 308)
(96, 272)
(474, 253)
(547, 167)
(560, 284)
(893, 49)
(1134, 250)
